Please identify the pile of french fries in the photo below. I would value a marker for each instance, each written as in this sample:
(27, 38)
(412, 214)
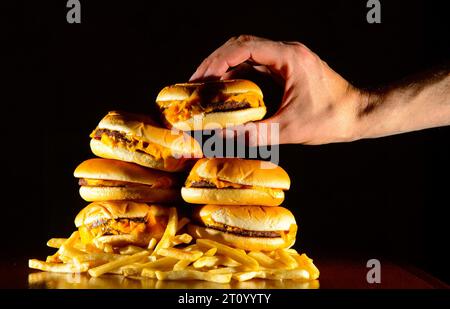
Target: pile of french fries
(176, 257)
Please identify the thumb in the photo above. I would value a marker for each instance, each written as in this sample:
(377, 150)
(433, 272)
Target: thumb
(259, 133)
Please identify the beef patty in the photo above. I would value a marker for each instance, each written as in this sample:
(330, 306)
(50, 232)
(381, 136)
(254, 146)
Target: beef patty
(237, 231)
(226, 106)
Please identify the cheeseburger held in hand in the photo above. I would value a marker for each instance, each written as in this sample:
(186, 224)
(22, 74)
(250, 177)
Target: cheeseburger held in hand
(137, 138)
(121, 223)
(233, 181)
(211, 105)
(254, 228)
(112, 180)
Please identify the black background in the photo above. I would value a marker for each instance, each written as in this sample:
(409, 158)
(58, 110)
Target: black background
(381, 198)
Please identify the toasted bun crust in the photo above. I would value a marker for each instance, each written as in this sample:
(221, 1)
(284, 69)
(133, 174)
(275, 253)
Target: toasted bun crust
(118, 209)
(243, 172)
(242, 242)
(182, 91)
(123, 154)
(232, 196)
(251, 218)
(218, 120)
(144, 128)
(137, 194)
(106, 169)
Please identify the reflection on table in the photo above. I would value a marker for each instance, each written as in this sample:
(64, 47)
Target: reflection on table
(46, 280)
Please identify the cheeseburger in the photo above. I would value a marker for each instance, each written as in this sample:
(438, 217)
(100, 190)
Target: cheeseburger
(211, 105)
(121, 223)
(111, 180)
(137, 138)
(228, 181)
(255, 228)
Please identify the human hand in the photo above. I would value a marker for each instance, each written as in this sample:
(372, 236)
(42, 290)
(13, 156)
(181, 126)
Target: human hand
(318, 106)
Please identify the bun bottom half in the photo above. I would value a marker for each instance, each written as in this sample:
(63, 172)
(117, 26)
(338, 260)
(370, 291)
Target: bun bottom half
(218, 120)
(121, 241)
(242, 242)
(232, 196)
(118, 153)
(138, 194)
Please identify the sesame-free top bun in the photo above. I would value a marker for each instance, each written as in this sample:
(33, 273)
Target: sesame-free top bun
(215, 118)
(145, 128)
(98, 211)
(107, 169)
(175, 146)
(245, 218)
(242, 171)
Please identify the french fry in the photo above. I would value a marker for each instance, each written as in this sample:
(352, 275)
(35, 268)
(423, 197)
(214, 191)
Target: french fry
(307, 263)
(181, 239)
(193, 247)
(131, 270)
(53, 258)
(70, 252)
(56, 242)
(287, 259)
(182, 223)
(192, 275)
(171, 230)
(72, 239)
(236, 255)
(180, 254)
(94, 259)
(88, 248)
(223, 270)
(58, 267)
(165, 262)
(108, 248)
(206, 261)
(265, 260)
(130, 250)
(244, 276)
(211, 252)
(100, 270)
(152, 243)
(181, 264)
(241, 250)
(227, 261)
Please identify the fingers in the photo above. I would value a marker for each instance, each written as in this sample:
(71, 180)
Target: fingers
(238, 50)
(243, 69)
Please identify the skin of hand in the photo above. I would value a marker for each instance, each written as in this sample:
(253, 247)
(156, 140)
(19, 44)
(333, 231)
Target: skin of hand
(319, 106)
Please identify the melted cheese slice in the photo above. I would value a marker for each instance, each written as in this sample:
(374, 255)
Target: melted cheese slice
(220, 184)
(175, 111)
(154, 226)
(156, 151)
(162, 182)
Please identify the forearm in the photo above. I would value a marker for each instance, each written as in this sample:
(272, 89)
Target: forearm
(409, 106)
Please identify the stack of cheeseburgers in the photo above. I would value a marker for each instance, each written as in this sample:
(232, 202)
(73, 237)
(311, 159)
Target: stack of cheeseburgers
(242, 199)
(132, 179)
(131, 226)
